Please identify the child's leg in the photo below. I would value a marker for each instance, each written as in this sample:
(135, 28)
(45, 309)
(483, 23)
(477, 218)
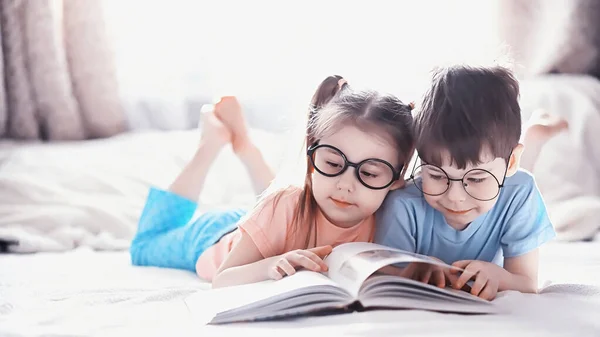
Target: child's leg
(167, 238)
(215, 135)
(540, 128)
(165, 234)
(229, 111)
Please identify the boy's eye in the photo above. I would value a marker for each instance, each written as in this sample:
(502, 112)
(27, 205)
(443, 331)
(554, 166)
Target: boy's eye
(436, 176)
(476, 180)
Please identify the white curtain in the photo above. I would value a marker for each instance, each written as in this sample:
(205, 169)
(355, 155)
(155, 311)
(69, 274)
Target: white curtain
(174, 55)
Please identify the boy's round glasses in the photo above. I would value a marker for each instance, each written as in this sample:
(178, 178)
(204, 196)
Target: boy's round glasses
(480, 184)
(373, 173)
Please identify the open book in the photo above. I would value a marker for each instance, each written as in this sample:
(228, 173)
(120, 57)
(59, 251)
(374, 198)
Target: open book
(352, 283)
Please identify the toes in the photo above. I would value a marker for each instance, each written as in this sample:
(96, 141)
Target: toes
(206, 108)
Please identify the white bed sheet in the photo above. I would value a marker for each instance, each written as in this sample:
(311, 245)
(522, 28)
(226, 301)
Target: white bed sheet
(88, 293)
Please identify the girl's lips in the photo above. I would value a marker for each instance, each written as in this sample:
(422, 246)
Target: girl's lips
(341, 204)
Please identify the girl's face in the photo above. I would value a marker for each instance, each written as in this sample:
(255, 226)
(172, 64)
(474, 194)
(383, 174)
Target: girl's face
(344, 199)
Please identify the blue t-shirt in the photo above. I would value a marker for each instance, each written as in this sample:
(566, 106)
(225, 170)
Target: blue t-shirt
(517, 224)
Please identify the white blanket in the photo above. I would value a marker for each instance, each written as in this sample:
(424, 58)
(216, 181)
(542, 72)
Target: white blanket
(86, 293)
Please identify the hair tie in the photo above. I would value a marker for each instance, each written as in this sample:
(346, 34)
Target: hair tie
(411, 105)
(341, 82)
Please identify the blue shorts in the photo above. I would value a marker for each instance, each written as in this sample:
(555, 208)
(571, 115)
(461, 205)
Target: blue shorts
(169, 235)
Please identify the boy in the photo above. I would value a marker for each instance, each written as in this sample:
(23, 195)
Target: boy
(469, 204)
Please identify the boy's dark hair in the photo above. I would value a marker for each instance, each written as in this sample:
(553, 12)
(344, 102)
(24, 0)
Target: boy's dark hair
(466, 110)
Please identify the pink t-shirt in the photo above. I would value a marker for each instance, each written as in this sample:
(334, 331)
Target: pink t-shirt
(270, 227)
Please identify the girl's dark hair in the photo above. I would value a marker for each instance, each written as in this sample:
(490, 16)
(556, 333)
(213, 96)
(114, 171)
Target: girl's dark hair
(335, 104)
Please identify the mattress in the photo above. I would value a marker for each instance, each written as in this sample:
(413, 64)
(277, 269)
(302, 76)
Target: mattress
(89, 293)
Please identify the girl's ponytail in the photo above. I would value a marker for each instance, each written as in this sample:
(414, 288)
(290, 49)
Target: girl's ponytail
(306, 210)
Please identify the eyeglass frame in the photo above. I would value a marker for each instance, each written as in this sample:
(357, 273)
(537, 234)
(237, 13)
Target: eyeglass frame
(500, 185)
(311, 150)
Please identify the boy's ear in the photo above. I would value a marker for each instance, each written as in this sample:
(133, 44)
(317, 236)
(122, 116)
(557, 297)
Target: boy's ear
(400, 183)
(515, 160)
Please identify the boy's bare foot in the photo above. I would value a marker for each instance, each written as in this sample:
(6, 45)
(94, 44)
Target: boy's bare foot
(229, 111)
(542, 126)
(539, 129)
(214, 131)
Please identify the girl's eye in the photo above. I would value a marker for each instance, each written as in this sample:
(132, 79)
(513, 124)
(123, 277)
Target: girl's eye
(332, 164)
(368, 174)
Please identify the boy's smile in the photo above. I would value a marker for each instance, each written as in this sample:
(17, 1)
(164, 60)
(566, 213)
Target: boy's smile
(458, 212)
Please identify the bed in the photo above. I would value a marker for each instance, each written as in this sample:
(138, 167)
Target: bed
(73, 207)
(86, 293)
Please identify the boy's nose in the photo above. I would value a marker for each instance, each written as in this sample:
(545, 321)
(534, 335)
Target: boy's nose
(456, 191)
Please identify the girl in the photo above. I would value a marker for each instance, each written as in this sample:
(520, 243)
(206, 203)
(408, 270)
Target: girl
(357, 147)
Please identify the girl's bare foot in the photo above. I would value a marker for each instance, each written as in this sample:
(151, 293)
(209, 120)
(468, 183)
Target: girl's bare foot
(229, 111)
(214, 131)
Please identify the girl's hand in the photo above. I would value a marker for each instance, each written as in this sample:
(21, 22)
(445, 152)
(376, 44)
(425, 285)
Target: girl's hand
(487, 277)
(288, 263)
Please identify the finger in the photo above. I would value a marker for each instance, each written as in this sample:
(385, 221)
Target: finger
(300, 260)
(276, 273)
(459, 264)
(426, 275)
(286, 266)
(479, 284)
(468, 274)
(439, 278)
(452, 279)
(410, 270)
(490, 291)
(314, 258)
(321, 251)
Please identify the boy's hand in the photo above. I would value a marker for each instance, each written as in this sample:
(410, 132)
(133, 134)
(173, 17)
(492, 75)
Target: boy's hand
(427, 273)
(288, 263)
(487, 277)
(423, 272)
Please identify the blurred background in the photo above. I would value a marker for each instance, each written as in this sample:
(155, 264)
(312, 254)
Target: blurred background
(170, 56)
(95, 68)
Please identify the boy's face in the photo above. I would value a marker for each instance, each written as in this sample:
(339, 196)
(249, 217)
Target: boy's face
(457, 204)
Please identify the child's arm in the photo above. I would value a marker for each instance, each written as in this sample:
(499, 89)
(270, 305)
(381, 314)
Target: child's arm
(245, 264)
(522, 273)
(519, 273)
(527, 228)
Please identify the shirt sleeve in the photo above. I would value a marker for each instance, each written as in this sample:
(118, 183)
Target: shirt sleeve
(268, 223)
(529, 227)
(395, 223)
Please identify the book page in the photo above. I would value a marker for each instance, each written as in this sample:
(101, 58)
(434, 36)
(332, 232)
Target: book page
(206, 304)
(352, 263)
